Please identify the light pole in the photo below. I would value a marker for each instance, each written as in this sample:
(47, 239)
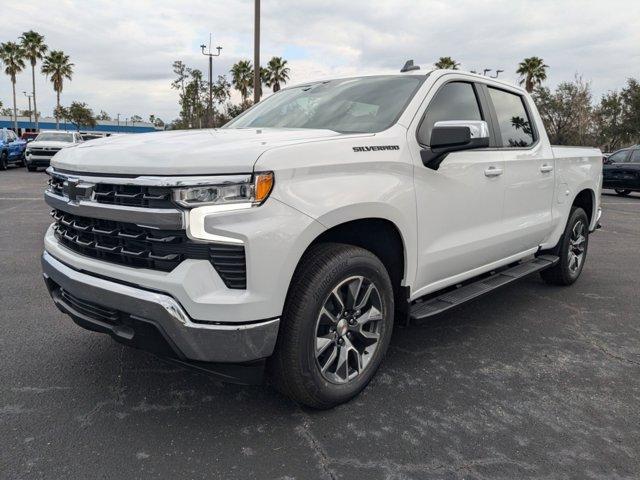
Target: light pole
(498, 72)
(256, 53)
(29, 98)
(118, 128)
(210, 55)
(485, 71)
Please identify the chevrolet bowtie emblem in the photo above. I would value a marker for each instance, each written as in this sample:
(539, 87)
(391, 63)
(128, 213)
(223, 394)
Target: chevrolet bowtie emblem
(76, 190)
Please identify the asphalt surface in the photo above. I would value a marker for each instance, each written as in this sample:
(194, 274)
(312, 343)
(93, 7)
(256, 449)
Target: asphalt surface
(529, 382)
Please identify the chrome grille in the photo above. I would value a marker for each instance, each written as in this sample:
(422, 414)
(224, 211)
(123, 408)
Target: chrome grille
(126, 195)
(43, 153)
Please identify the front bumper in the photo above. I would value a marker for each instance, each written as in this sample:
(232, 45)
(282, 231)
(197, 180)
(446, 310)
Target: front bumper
(38, 160)
(153, 321)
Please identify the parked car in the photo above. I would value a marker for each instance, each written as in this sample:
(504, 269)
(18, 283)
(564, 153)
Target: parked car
(46, 145)
(29, 136)
(295, 236)
(621, 171)
(11, 149)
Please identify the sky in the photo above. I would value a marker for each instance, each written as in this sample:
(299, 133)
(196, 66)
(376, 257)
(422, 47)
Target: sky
(123, 51)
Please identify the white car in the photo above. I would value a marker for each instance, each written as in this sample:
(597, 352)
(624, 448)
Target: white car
(295, 236)
(40, 150)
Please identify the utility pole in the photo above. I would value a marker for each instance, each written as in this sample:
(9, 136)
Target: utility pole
(256, 54)
(118, 130)
(29, 98)
(210, 55)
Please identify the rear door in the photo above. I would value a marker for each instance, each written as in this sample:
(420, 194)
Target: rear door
(612, 173)
(459, 206)
(629, 171)
(529, 172)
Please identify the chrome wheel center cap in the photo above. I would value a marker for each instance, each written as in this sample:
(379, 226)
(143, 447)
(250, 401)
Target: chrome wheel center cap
(342, 327)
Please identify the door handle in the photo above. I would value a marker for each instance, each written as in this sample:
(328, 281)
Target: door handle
(546, 168)
(493, 172)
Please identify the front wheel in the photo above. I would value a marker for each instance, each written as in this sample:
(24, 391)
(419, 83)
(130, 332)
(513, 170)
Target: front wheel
(623, 192)
(572, 250)
(4, 162)
(336, 326)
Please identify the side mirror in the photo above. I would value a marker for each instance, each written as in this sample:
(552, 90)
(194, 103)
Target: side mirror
(454, 136)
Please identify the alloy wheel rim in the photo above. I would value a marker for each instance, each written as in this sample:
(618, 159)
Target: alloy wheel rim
(348, 330)
(577, 246)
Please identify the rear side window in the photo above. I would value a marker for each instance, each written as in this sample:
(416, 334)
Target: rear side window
(620, 156)
(454, 101)
(635, 156)
(513, 119)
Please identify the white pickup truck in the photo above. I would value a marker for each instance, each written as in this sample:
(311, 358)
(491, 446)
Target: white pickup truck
(292, 239)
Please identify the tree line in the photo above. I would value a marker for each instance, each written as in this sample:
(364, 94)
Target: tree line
(193, 91)
(570, 113)
(56, 66)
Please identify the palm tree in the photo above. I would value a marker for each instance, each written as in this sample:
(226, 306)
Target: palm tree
(12, 56)
(242, 78)
(532, 72)
(447, 63)
(34, 48)
(58, 66)
(276, 73)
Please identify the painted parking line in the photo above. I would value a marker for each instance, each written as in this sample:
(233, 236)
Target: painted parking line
(21, 198)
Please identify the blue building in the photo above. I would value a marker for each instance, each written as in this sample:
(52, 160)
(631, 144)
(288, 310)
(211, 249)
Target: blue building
(103, 126)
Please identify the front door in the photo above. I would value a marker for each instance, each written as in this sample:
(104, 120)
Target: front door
(459, 206)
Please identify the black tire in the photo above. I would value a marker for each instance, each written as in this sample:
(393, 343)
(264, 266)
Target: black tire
(622, 192)
(3, 161)
(31, 168)
(566, 272)
(294, 368)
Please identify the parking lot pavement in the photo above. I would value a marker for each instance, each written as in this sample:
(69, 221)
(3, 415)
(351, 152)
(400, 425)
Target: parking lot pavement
(529, 382)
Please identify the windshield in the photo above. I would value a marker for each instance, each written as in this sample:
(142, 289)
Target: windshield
(353, 105)
(54, 137)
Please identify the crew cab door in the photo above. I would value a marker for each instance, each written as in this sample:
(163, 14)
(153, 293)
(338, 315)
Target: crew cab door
(12, 144)
(459, 205)
(529, 172)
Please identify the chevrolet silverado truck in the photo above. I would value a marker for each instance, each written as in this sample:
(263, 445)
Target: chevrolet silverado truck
(11, 149)
(289, 241)
(40, 151)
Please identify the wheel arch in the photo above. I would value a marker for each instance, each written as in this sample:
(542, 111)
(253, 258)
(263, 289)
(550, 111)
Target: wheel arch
(586, 199)
(379, 235)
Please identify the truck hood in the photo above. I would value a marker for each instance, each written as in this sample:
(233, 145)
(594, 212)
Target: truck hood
(183, 152)
(51, 144)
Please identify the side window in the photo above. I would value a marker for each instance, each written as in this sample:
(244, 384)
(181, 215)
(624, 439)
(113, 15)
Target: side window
(513, 120)
(454, 101)
(635, 156)
(619, 157)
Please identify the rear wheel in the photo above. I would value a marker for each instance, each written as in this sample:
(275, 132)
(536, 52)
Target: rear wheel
(623, 192)
(336, 326)
(572, 250)
(3, 161)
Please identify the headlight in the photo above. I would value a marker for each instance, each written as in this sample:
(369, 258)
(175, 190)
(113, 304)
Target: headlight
(253, 192)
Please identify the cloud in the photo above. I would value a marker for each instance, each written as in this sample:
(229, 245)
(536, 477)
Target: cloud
(123, 51)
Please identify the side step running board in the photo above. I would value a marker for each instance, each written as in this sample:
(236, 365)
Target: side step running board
(464, 293)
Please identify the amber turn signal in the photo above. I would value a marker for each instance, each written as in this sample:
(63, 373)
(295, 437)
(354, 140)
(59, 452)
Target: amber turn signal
(262, 184)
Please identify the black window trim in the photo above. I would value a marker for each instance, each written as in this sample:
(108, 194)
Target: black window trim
(494, 118)
(481, 108)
